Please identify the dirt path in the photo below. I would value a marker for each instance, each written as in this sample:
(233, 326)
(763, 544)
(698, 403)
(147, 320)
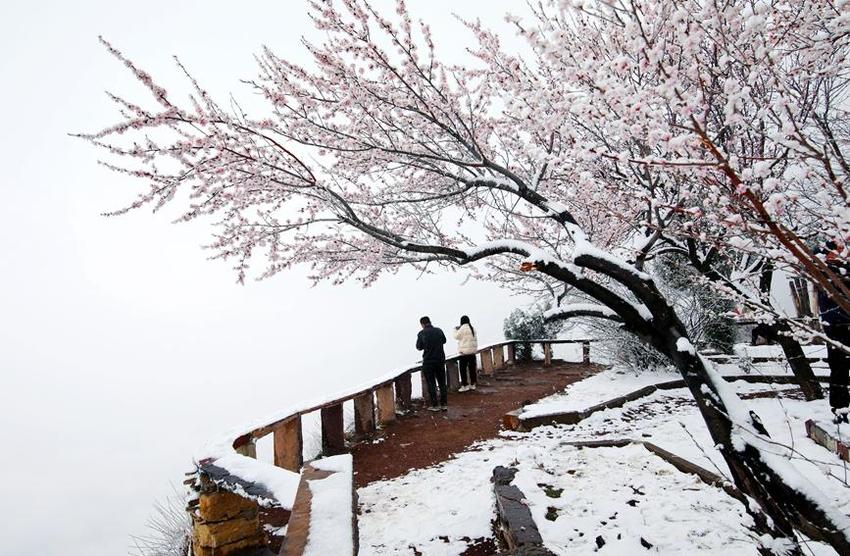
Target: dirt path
(423, 438)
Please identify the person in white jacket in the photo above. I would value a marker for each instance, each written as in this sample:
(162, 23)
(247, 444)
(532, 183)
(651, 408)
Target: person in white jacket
(467, 345)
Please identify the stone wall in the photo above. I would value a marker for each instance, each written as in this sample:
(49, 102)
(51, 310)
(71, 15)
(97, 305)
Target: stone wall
(224, 523)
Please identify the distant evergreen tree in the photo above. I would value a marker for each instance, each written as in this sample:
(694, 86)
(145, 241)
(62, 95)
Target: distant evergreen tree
(527, 324)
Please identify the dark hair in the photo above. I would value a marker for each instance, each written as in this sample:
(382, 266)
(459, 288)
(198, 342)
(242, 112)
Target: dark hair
(425, 320)
(465, 320)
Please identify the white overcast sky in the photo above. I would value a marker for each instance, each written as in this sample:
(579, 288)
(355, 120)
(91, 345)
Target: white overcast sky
(122, 349)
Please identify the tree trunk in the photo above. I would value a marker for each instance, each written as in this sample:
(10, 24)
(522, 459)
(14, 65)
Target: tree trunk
(787, 509)
(783, 508)
(779, 332)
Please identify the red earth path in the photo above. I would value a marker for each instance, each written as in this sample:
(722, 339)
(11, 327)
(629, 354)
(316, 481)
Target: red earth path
(422, 438)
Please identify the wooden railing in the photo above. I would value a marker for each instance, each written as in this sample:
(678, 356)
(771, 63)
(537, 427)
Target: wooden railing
(230, 489)
(225, 482)
(376, 405)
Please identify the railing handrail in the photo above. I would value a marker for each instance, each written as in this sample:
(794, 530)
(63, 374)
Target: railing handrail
(230, 461)
(347, 395)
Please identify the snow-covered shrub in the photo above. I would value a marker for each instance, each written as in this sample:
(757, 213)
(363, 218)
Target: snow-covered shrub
(169, 529)
(527, 324)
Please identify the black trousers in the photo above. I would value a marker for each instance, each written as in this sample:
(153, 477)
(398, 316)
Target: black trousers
(468, 362)
(435, 374)
(839, 366)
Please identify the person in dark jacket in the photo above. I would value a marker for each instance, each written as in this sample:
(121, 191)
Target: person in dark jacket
(430, 342)
(836, 324)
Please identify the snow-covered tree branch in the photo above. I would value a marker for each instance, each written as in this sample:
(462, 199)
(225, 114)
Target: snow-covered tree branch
(627, 119)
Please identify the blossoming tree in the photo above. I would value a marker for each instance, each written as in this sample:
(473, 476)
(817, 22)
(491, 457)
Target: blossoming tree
(380, 155)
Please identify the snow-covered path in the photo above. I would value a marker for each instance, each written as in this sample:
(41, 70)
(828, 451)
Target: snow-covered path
(442, 509)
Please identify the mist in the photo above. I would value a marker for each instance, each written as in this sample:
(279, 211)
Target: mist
(123, 347)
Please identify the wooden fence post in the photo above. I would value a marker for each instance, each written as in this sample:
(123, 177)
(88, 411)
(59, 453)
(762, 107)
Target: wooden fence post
(547, 354)
(499, 357)
(585, 352)
(364, 415)
(424, 386)
(511, 354)
(403, 392)
(386, 404)
(333, 430)
(452, 375)
(487, 362)
(288, 444)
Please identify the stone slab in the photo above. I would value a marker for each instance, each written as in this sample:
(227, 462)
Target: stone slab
(517, 525)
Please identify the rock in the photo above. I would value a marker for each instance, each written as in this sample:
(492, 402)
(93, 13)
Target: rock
(223, 505)
(238, 547)
(216, 535)
(503, 475)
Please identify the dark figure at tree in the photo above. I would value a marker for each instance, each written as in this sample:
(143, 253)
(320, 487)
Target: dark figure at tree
(836, 324)
(430, 342)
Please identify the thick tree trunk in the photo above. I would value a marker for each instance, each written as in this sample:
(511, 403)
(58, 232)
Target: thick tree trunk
(779, 332)
(783, 508)
(787, 508)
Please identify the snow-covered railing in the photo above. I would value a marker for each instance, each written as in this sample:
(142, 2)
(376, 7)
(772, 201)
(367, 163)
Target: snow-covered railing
(374, 405)
(230, 462)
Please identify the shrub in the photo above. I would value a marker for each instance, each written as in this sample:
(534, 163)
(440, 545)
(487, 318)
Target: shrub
(527, 324)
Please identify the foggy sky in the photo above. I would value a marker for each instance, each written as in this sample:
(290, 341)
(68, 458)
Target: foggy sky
(122, 349)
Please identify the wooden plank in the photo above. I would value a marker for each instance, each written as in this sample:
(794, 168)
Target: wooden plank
(364, 415)
(547, 354)
(687, 466)
(260, 432)
(452, 375)
(683, 465)
(511, 354)
(487, 362)
(289, 445)
(585, 353)
(299, 527)
(515, 421)
(498, 357)
(386, 404)
(604, 443)
(333, 430)
(511, 420)
(403, 392)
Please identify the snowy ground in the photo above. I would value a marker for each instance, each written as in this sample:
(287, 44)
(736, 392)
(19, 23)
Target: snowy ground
(596, 389)
(618, 382)
(437, 510)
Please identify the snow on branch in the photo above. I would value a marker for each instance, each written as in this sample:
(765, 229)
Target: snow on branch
(581, 310)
